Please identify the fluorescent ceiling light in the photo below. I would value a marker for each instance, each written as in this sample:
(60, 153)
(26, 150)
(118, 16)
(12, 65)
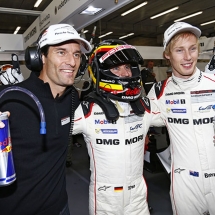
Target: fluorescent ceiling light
(186, 17)
(135, 8)
(206, 23)
(17, 29)
(105, 34)
(37, 3)
(165, 12)
(91, 11)
(126, 36)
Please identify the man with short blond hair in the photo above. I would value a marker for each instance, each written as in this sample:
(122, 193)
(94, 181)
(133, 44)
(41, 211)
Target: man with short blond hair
(186, 102)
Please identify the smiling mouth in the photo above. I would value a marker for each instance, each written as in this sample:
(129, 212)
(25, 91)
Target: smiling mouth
(187, 64)
(67, 70)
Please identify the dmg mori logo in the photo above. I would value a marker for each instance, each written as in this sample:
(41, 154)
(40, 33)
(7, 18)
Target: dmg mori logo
(134, 140)
(108, 141)
(203, 121)
(186, 121)
(178, 120)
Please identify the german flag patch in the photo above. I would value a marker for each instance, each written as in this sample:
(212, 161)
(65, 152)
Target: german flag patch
(118, 189)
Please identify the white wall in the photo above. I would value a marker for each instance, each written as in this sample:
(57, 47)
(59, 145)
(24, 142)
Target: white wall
(11, 42)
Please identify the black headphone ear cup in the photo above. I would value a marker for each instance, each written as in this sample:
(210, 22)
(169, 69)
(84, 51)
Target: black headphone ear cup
(33, 58)
(40, 60)
(83, 66)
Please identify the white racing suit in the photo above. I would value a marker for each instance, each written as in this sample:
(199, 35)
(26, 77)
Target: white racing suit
(116, 150)
(187, 108)
(11, 76)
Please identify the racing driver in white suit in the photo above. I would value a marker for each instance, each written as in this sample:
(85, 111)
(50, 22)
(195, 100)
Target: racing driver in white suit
(187, 105)
(114, 122)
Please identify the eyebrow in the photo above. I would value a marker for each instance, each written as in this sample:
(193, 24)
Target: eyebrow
(183, 46)
(64, 49)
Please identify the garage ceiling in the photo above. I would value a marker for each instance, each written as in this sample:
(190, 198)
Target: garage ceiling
(146, 31)
(10, 19)
(150, 31)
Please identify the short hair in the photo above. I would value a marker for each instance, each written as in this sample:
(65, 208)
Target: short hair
(45, 50)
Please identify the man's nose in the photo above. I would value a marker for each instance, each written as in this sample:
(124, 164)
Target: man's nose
(187, 55)
(70, 59)
(126, 72)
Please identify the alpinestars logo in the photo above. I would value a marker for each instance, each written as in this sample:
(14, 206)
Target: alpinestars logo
(179, 170)
(158, 85)
(104, 188)
(146, 101)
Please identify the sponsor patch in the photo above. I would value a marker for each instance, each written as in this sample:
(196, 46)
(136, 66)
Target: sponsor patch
(114, 50)
(209, 175)
(174, 93)
(109, 131)
(175, 110)
(193, 173)
(98, 113)
(131, 187)
(175, 101)
(65, 120)
(204, 109)
(136, 127)
(202, 96)
(104, 121)
(118, 189)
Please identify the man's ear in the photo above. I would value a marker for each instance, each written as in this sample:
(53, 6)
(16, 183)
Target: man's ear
(43, 59)
(166, 56)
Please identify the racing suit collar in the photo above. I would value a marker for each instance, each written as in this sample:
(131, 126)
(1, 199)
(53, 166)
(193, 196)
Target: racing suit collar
(124, 108)
(185, 84)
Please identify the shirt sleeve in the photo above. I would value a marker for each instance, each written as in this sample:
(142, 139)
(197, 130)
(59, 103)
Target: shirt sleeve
(156, 115)
(79, 121)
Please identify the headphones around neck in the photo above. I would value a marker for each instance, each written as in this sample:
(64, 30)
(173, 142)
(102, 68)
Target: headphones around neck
(33, 58)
